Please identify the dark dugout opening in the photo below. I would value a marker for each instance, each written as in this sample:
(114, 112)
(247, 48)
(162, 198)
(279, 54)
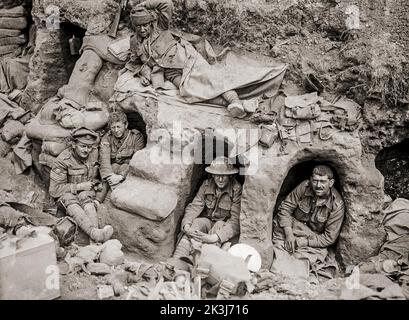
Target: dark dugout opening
(203, 158)
(72, 42)
(393, 163)
(135, 121)
(205, 153)
(297, 174)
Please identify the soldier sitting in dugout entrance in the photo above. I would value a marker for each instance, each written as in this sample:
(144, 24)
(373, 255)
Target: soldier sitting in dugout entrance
(73, 181)
(308, 222)
(214, 214)
(116, 151)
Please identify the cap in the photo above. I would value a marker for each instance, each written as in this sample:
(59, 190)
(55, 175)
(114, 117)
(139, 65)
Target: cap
(85, 136)
(140, 16)
(221, 166)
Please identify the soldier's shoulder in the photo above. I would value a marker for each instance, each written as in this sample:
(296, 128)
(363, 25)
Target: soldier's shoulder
(338, 201)
(105, 138)
(65, 155)
(136, 133)
(236, 185)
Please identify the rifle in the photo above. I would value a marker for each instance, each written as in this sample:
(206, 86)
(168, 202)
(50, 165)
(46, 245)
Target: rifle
(114, 27)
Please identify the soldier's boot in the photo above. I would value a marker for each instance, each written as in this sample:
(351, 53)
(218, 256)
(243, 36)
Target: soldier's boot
(183, 248)
(91, 212)
(98, 235)
(235, 106)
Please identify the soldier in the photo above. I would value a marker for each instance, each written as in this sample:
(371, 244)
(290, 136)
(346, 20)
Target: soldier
(213, 215)
(309, 220)
(165, 57)
(73, 182)
(116, 150)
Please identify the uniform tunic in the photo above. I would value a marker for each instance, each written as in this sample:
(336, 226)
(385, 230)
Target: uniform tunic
(115, 154)
(323, 217)
(217, 207)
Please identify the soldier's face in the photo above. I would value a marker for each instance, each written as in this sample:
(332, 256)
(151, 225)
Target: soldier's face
(321, 185)
(118, 129)
(145, 30)
(82, 150)
(221, 180)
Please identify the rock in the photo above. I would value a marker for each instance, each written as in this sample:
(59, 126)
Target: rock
(118, 280)
(89, 253)
(105, 292)
(147, 239)
(150, 200)
(99, 269)
(111, 253)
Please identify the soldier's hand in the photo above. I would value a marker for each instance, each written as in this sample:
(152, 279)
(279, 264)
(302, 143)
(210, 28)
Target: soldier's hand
(114, 179)
(85, 186)
(210, 238)
(187, 229)
(301, 242)
(204, 237)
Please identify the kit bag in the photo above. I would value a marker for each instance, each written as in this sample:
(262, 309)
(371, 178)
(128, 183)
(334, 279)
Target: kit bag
(304, 107)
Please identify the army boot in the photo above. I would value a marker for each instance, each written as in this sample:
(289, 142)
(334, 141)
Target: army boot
(235, 106)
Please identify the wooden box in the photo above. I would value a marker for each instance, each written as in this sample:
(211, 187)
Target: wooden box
(30, 271)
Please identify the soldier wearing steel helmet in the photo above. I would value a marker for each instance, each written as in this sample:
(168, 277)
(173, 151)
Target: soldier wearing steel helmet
(213, 215)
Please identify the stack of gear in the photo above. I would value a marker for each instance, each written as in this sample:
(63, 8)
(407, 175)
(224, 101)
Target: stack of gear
(300, 117)
(13, 21)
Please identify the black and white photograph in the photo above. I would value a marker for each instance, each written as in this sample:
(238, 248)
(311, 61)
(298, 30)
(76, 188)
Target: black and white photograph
(214, 152)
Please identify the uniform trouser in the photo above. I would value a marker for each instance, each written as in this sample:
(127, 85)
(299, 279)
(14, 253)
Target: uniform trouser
(121, 169)
(82, 209)
(184, 247)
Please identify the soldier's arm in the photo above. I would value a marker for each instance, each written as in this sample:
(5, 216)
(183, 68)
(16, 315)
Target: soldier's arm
(164, 10)
(139, 141)
(195, 208)
(105, 158)
(232, 226)
(59, 180)
(288, 206)
(331, 231)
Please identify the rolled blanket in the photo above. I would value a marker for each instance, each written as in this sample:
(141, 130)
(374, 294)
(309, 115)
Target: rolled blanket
(8, 49)
(14, 54)
(12, 40)
(13, 23)
(15, 12)
(8, 4)
(4, 33)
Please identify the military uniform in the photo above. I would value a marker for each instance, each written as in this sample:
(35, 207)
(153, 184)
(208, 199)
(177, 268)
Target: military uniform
(323, 217)
(68, 171)
(212, 207)
(212, 211)
(166, 56)
(115, 155)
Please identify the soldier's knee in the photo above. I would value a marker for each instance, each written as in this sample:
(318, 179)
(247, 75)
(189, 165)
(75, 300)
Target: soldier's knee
(202, 224)
(218, 225)
(85, 197)
(68, 198)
